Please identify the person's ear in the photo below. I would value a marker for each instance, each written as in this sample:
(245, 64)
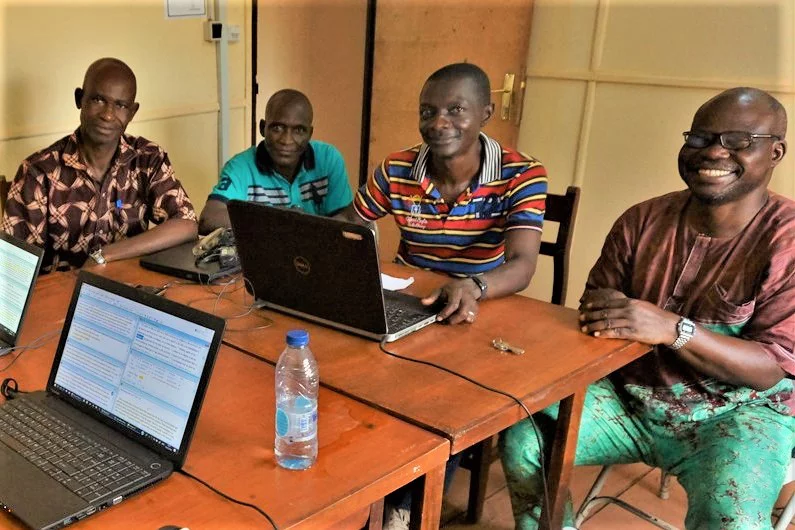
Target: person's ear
(79, 97)
(311, 130)
(262, 128)
(488, 111)
(779, 150)
(133, 109)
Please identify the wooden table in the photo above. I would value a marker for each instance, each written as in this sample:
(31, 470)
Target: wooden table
(559, 363)
(363, 453)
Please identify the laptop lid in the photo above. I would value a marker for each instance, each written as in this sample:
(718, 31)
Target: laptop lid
(323, 268)
(19, 268)
(137, 362)
(180, 261)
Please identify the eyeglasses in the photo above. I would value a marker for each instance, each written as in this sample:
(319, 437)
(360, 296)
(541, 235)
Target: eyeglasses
(732, 140)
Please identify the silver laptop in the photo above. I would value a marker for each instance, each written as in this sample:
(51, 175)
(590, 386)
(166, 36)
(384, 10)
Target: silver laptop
(321, 269)
(19, 268)
(123, 397)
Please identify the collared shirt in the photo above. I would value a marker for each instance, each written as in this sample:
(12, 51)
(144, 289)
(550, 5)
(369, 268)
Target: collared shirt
(321, 186)
(468, 236)
(741, 286)
(55, 204)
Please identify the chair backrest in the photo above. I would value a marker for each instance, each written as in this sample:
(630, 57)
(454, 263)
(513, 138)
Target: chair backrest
(5, 185)
(561, 209)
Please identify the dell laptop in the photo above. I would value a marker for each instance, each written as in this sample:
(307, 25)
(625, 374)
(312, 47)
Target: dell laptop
(19, 268)
(122, 400)
(321, 269)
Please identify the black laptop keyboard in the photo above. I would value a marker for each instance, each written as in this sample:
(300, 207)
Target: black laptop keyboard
(84, 465)
(398, 317)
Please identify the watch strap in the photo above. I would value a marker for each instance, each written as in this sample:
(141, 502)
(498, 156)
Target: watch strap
(482, 285)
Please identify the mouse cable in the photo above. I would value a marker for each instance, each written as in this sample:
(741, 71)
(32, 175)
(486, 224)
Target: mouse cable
(32, 345)
(227, 497)
(547, 505)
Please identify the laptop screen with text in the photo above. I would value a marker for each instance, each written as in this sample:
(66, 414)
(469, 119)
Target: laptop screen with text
(18, 270)
(136, 365)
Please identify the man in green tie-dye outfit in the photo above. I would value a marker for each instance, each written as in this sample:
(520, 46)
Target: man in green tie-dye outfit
(707, 276)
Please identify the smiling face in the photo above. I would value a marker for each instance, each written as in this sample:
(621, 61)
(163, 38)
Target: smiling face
(716, 175)
(451, 116)
(106, 102)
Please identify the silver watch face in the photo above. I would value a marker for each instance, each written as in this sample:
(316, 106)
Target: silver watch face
(686, 327)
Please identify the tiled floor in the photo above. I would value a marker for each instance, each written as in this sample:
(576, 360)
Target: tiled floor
(497, 510)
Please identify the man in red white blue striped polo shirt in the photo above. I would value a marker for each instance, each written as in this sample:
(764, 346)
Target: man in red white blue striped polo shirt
(465, 205)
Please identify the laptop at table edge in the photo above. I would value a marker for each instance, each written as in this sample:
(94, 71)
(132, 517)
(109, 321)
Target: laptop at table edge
(300, 231)
(9, 338)
(87, 417)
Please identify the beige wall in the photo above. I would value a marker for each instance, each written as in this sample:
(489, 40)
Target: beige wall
(46, 46)
(613, 83)
(317, 47)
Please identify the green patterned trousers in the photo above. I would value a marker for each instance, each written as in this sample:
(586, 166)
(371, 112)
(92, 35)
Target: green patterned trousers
(731, 461)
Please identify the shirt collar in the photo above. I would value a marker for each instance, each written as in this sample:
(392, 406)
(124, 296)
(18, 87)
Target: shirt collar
(264, 162)
(71, 153)
(490, 167)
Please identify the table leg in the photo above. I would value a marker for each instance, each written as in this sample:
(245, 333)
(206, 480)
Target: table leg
(426, 505)
(562, 461)
(376, 515)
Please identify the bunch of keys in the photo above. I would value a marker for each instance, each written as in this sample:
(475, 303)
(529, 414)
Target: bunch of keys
(504, 346)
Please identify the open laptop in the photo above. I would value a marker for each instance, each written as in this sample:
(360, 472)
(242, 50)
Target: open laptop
(19, 268)
(123, 397)
(321, 269)
(179, 261)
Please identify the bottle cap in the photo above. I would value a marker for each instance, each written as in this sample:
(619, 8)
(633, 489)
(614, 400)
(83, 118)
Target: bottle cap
(297, 337)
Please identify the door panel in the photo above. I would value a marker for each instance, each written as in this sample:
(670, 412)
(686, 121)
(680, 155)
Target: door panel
(412, 40)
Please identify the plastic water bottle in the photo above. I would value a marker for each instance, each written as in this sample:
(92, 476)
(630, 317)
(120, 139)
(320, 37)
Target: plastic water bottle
(296, 403)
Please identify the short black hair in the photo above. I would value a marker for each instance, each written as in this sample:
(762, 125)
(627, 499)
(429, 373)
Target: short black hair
(288, 96)
(111, 64)
(745, 94)
(465, 71)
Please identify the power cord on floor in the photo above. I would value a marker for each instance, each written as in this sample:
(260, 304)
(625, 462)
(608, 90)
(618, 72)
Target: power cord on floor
(227, 497)
(547, 505)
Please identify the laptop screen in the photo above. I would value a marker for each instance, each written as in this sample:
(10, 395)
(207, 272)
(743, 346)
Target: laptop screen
(139, 366)
(18, 269)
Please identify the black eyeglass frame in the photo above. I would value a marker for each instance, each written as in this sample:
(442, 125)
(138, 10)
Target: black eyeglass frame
(751, 137)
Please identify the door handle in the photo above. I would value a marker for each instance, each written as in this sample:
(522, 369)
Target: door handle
(507, 95)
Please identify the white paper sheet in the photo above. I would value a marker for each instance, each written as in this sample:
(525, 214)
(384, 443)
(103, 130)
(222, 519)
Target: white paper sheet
(390, 283)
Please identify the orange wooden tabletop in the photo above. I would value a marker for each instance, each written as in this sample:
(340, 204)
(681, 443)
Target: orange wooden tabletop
(558, 358)
(363, 453)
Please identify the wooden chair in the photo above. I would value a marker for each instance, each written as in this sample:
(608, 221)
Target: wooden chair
(5, 185)
(561, 209)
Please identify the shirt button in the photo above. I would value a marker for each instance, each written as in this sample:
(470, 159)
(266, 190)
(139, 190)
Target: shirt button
(101, 232)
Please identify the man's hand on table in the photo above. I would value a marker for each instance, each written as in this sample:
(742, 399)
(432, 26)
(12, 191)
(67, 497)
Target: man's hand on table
(608, 313)
(460, 298)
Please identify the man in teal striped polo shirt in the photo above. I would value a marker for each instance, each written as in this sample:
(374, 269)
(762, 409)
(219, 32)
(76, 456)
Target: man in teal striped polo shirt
(286, 169)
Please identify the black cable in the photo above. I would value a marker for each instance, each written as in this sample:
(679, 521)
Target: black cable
(547, 504)
(9, 388)
(227, 497)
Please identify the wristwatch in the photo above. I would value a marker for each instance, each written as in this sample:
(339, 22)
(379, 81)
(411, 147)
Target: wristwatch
(686, 329)
(482, 285)
(98, 257)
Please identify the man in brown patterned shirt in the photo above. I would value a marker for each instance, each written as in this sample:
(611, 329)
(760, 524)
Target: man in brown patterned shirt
(89, 197)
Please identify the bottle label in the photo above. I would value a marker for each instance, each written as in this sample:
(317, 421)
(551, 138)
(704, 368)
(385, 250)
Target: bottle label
(297, 426)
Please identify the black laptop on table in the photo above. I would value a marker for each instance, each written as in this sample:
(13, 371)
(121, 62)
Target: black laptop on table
(180, 261)
(321, 269)
(19, 268)
(123, 397)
